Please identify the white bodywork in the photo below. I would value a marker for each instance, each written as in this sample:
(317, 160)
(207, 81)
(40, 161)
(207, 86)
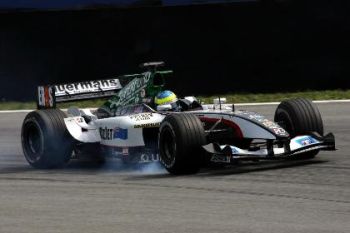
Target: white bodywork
(126, 131)
(119, 131)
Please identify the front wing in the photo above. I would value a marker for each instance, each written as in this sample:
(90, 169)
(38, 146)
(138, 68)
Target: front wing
(272, 150)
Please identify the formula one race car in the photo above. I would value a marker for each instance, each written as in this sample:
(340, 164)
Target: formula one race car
(130, 127)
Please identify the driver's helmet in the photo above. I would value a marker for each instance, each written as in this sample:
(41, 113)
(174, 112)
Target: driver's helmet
(165, 100)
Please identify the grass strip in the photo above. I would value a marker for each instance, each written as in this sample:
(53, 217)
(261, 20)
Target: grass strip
(231, 98)
(277, 97)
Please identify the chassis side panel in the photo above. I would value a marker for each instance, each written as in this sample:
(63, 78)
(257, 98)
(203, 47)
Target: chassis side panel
(247, 128)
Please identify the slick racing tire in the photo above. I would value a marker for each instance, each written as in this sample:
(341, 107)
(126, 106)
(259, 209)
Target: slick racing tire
(46, 142)
(300, 117)
(180, 138)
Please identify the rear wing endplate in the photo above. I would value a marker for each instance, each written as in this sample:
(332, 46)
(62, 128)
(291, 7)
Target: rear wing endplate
(48, 96)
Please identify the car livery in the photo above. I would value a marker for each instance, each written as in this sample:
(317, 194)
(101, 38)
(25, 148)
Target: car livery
(131, 128)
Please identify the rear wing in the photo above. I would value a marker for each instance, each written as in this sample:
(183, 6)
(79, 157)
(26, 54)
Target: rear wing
(48, 96)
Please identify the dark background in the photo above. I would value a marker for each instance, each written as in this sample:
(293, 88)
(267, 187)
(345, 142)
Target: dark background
(263, 46)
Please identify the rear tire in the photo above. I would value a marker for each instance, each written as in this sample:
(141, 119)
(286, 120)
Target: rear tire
(300, 117)
(46, 142)
(180, 139)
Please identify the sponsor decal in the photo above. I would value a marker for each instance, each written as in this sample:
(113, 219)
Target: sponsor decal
(141, 116)
(220, 158)
(116, 133)
(86, 87)
(278, 130)
(149, 125)
(142, 93)
(79, 120)
(45, 96)
(265, 122)
(120, 133)
(234, 150)
(256, 117)
(147, 158)
(132, 90)
(305, 141)
(125, 151)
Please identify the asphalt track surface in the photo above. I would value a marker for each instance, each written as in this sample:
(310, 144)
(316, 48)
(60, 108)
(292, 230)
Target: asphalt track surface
(305, 196)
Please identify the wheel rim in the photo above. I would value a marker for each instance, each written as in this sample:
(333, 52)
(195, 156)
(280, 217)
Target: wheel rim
(33, 142)
(167, 147)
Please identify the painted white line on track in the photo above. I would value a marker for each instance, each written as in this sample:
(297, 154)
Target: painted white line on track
(276, 103)
(331, 101)
(240, 104)
(16, 111)
(257, 104)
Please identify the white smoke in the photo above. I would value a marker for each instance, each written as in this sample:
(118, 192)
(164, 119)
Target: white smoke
(152, 168)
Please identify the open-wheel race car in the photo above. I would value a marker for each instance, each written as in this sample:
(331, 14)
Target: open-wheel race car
(183, 135)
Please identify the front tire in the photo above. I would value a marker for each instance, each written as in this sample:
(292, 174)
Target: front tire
(180, 139)
(45, 140)
(300, 117)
